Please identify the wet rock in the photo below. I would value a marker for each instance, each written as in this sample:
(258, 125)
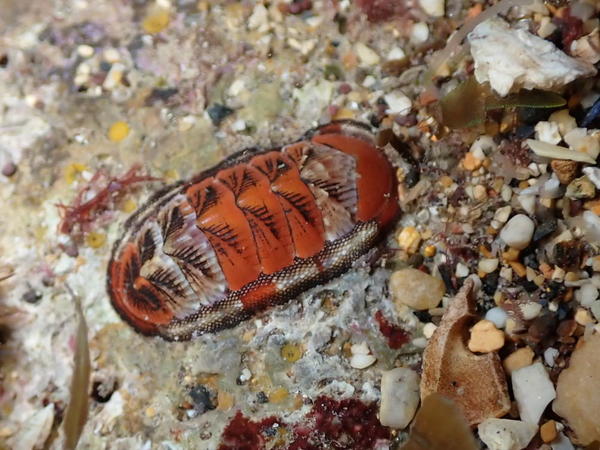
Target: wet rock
(218, 112)
(399, 397)
(416, 289)
(577, 398)
(518, 231)
(504, 434)
(449, 368)
(533, 391)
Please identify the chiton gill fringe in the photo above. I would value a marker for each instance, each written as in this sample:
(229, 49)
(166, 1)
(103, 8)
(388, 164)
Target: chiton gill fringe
(254, 231)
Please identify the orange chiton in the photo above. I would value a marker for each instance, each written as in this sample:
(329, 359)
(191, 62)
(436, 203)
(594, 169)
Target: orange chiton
(254, 231)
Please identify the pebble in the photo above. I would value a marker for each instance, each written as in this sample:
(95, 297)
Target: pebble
(428, 329)
(593, 174)
(518, 359)
(361, 356)
(583, 317)
(548, 431)
(434, 8)
(530, 310)
(488, 265)
(485, 337)
(565, 170)
(581, 188)
(9, 169)
(398, 103)
(462, 270)
(416, 289)
(562, 443)
(366, 55)
(419, 33)
(502, 214)
(85, 51)
(497, 316)
(518, 231)
(533, 391)
(547, 132)
(595, 308)
(399, 397)
(504, 434)
(409, 240)
(564, 120)
(550, 355)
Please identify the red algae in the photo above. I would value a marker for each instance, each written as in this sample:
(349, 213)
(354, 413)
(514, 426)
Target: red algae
(245, 434)
(79, 216)
(346, 424)
(396, 336)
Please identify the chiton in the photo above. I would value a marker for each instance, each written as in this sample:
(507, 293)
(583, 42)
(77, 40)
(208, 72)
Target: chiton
(254, 231)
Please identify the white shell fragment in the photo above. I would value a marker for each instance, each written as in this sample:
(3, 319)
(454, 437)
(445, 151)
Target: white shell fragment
(510, 59)
(399, 397)
(504, 434)
(557, 152)
(533, 391)
(361, 356)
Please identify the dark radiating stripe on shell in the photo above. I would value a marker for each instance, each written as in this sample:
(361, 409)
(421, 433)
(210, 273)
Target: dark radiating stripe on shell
(254, 231)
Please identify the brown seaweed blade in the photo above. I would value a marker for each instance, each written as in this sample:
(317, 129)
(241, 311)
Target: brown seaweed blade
(77, 410)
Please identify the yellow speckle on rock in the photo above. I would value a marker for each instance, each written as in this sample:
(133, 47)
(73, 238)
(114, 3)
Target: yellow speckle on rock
(156, 20)
(95, 240)
(150, 411)
(73, 170)
(291, 352)
(171, 175)
(344, 113)
(429, 251)
(128, 206)
(225, 401)
(278, 395)
(118, 131)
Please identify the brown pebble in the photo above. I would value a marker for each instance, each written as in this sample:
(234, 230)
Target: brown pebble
(548, 431)
(9, 169)
(565, 170)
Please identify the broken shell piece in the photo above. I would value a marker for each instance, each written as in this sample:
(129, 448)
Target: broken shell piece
(557, 152)
(399, 397)
(452, 370)
(440, 425)
(504, 434)
(361, 356)
(533, 391)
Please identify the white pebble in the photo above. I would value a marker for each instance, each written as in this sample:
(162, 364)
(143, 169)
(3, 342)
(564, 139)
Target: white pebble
(518, 231)
(428, 330)
(461, 270)
(497, 316)
(488, 265)
(586, 294)
(533, 391)
(505, 434)
(398, 103)
(502, 214)
(419, 33)
(530, 310)
(527, 202)
(367, 56)
(434, 8)
(361, 356)
(547, 132)
(550, 355)
(85, 51)
(396, 53)
(399, 397)
(238, 125)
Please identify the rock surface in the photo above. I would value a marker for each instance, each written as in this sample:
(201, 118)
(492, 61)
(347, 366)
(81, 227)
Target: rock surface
(574, 389)
(414, 288)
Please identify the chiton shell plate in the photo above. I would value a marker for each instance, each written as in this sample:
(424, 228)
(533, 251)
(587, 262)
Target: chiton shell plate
(254, 231)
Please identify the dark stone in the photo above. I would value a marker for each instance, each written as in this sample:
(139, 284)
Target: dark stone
(490, 283)
(102, 391)
(568, 254)
(202, 398)
(9, 169)
(261, 397)
(32, 296)
(544, 229)
(218, 112)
